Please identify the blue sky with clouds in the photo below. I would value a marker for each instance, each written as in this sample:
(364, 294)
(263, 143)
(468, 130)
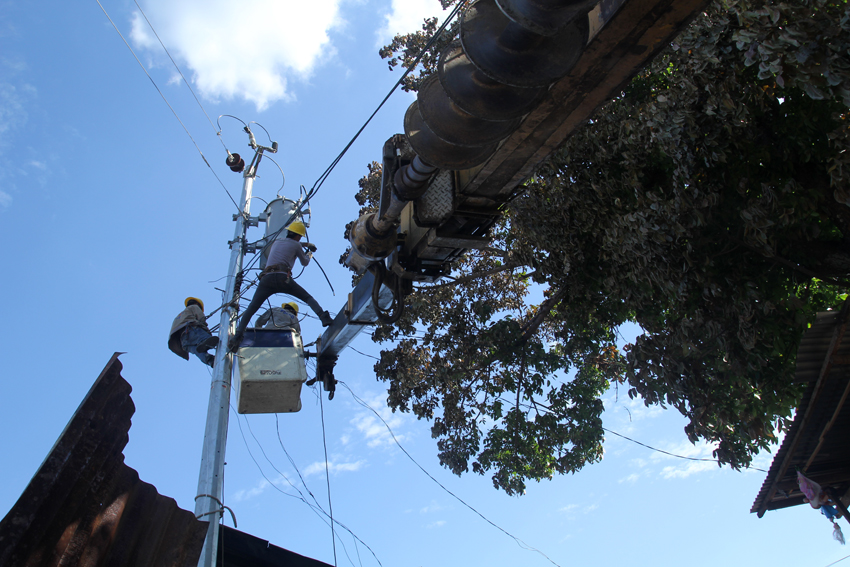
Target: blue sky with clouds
(109, 218)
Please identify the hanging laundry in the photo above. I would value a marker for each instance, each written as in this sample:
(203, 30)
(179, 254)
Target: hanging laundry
(830, 512)
(811, 489)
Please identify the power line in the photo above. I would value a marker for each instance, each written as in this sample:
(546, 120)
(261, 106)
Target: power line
(248, 423)
(364, 354)
(315, 509)
(410, 69)
(203, 157)
(217, 132)
(519, 542)
(839, 561)
(328, 476)
(672, 454)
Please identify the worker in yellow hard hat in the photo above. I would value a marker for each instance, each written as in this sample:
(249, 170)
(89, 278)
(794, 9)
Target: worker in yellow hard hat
(190, 334)
(283, 317)
(277, 278)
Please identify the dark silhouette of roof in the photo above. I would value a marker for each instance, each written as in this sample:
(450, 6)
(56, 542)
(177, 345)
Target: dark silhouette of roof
(244, 550)
(84, 506)
(817, 442)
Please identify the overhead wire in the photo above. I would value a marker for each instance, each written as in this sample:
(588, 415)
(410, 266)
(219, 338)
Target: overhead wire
(248, 423)
(321, 180)
(328, 476)
(604, 428)
(518, 541)
(363, 353)
(174, 112)
(839, 561)
(672, 454)
(316, 509)
(150, 25)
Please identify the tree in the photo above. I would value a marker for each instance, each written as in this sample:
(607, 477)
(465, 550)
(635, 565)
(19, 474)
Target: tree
(708, 203)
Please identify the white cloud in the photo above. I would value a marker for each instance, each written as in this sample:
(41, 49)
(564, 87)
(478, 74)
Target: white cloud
(373, 429)
(406, 16)
(5, 199)
(38, 164)
(437, 524)
(568, 508)
(432, 507)
(631, 479)
(319, 467)
(248, 50)
(248, 493)
(685, 468)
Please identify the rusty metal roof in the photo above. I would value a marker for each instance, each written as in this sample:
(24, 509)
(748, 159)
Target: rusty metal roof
(816, 443)
(84, 506)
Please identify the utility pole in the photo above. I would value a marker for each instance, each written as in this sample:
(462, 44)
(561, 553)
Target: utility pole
(209, 500)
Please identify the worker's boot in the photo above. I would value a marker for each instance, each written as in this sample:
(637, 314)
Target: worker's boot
(326, 319)
(207, 344)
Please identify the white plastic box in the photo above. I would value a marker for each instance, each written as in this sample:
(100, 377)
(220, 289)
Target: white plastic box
(271, 371)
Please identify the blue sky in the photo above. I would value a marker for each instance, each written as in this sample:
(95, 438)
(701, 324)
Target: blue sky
(109, 218)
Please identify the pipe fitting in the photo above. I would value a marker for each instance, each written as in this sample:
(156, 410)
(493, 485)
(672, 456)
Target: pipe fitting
(371, 244)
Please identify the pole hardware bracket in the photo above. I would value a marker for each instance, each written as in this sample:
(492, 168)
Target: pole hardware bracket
(220, 510)
(251, 221)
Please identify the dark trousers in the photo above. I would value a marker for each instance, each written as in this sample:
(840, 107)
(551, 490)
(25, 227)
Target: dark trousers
(270, 284)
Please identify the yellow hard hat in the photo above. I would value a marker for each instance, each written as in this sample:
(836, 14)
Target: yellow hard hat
(291, 304)
(188, 299)
(298, 228)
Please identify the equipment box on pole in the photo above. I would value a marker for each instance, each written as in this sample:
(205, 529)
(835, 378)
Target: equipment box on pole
(271, 371)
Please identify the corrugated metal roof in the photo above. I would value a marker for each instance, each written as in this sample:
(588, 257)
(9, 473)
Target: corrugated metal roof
(85, 507)
(816, 443)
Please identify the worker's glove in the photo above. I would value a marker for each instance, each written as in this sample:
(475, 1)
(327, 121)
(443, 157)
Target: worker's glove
(309, 246)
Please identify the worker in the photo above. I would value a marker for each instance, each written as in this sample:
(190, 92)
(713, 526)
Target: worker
(283, 317)
(277, 278)
(190, 334)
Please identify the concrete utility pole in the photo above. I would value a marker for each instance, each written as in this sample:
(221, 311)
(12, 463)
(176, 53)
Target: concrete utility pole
(208, 502)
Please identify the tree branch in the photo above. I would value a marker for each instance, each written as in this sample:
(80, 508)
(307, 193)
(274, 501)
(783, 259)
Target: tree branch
(530, 327)
(477, 275)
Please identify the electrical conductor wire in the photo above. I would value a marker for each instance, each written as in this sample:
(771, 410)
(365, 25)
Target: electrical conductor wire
(519, 542)
(328, 476)
(150, 25)
(168, 104)
(320, 181)
(315, 509)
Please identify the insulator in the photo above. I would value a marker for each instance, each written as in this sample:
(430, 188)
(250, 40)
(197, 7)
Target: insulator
(454, 125)
(506, 52)
(235, 163)
(438, 152)
(479, 95)
(544, 17)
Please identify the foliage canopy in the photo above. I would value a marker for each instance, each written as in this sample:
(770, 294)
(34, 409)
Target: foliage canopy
(708, 203)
